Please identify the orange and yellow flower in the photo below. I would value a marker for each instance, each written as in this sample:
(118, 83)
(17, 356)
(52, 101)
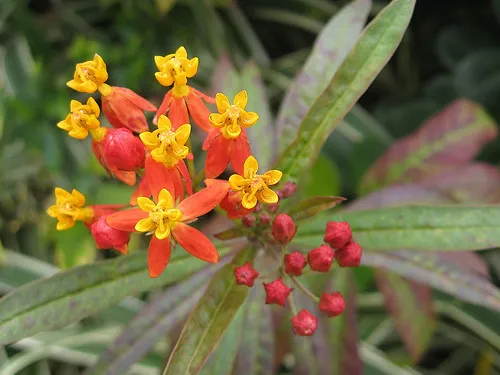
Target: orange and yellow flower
(82, 119)
(254, 187)
(182, 100)
(227, 142)
(91, 76)
(163, 219)
(165, 166)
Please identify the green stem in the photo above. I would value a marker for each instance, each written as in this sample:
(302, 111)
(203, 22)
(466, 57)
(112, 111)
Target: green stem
(302, 287)
(291, 302)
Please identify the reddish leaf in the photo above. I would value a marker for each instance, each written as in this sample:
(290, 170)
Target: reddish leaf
(410, 305)
(312, 206)
(450, 138)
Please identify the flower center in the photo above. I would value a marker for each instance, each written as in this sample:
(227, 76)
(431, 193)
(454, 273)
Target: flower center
(169, 152)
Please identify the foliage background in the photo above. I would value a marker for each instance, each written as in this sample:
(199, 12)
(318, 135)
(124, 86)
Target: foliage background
(451, 50)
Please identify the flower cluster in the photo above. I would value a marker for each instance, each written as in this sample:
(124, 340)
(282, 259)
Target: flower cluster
(157, 160)
(339, 246)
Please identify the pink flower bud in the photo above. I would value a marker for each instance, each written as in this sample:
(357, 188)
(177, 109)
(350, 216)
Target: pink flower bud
(245, 274)
(288, 190)
(277, 292)
(349, 255)
(122, 150)
(321, 258)
(304, 323)
(337, 234)
(248, 221)
(106, 237)
(284, 229)
(273, 208)
(332, 304)
(265, 219)
(295, 263)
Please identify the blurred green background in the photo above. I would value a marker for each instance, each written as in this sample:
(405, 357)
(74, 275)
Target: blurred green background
(451, 50)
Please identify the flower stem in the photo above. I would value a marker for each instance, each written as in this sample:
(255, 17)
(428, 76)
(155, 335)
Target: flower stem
(291, 302)
(302, 287)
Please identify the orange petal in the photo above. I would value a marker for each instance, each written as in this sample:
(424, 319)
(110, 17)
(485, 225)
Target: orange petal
(203, 201)
(181, 167)
(128, 177)
(198, 111)
(158, 177)
(141, 191)
(122, 113)
(208, 99)
(105, 209)
(214, 133)
(178, 113)
(217, 156)
(136, 99)
(195, 243)
(164, 107)
(158, 255)
(178, 192)
(240, 151)
(126, 220)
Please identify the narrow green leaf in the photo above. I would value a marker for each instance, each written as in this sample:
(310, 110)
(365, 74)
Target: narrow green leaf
(80, 292)
(209, 320)
(464, 282)
(342, 330)
(422, 228)
(235, 231)
(410, 305)
(221, 361)
(256, 353)
(331, 47)
(450, 138)
(152, 324)
(373, 50)
(312, 206)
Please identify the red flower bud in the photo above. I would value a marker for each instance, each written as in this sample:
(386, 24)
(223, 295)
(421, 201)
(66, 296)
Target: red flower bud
(349, 255)
(321, 258)
(248, 221)
(332, 304)
(337, 234)
(288, 190)
(265, 219)
(245, 274)
(277, 292)
(122, 150)
(125, 109)
(106, 237)
(295, 263)
(273, 208)
(284, 229)
(304, 323)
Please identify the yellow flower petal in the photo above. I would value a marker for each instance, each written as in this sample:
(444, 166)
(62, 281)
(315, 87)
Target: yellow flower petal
(78, 133)
(165, 199)
(250, 167)
(237, 182)
(222, 102)
(181, 52)
(162, 231)
(192, 67)
(164, 79)
(145, 204)
(248, 119)
(160, 62)
(164, 123)
(66, 123)
(52, 211)
(74, 105)
(61, 194)
(145, 225)
(65, 222)
(149, 139)
(94, 106)
(272, 177)
(248, 201)
(241, 99)
(217, 119)
(182, 134)
(78, 197)
(266, 195)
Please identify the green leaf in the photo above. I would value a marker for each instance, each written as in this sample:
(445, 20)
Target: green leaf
(82, 291)
(450, 138)
(209, 320)
(422, 228)
(462, 275)
(331, 47)
(324, 170)
(151, 325)
(312, 206)
(410, 305)
(376, 45)
(256, 352)
(221, 361)
(342, 330)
